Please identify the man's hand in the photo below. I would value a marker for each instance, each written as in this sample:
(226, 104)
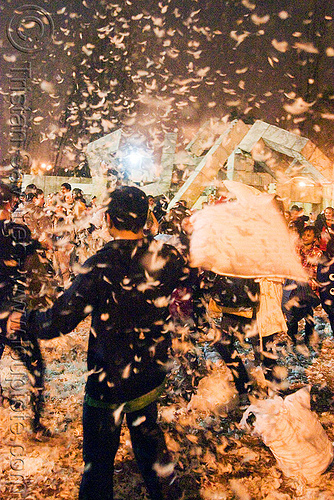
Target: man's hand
(14, 322)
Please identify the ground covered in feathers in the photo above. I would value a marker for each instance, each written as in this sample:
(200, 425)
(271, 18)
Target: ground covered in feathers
(215, 459)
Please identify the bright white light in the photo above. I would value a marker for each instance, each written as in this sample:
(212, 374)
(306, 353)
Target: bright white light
(135, 158)
(43, 166)
(138, 164)
(302, 184)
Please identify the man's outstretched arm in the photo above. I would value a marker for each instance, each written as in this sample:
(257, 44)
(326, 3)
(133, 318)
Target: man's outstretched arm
(66, 313)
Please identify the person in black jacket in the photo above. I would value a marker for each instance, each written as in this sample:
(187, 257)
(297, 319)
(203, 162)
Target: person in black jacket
(298, 219)
(325, 278)
(126, 288)
(238, 300)
(16, 247)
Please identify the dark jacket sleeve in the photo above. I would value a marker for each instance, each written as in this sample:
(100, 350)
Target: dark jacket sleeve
(68, 310)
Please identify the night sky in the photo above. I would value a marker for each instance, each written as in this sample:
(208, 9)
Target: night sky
(150, 66)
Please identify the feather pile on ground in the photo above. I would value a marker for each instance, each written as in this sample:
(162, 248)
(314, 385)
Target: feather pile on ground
(321, 372)
(215, 459)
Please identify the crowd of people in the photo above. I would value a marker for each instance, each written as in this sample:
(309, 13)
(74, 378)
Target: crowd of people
(126, 264)
(59, 222)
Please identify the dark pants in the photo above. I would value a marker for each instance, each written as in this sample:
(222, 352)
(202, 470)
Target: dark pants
(27, 350)
(330, 313)
(268, 362)
(307, 300)
(294, 316)
(230, 324)
(101, 438)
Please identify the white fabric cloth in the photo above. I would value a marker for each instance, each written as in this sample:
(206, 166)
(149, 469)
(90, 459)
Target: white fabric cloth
(270, 318)
(293, 433)
(246, 237)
